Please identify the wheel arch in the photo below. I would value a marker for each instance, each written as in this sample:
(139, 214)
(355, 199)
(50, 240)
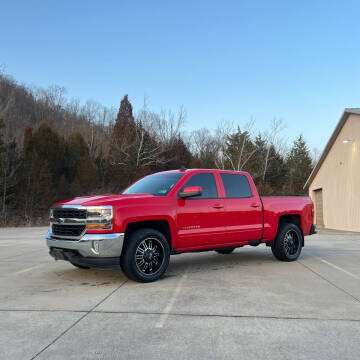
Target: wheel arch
(292, 219)
(160, 225)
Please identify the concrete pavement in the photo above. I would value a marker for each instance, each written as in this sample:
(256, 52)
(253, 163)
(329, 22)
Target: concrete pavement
(246, 305)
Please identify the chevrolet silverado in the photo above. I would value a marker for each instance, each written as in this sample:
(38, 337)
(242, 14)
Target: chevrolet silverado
(173, 212)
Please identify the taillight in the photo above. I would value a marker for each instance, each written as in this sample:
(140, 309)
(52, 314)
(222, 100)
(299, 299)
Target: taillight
(312, 210)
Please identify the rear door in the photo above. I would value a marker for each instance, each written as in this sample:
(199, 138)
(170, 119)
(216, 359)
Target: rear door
(201, 219)
(243, 210)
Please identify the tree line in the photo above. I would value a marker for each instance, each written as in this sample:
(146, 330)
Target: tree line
(53, 149)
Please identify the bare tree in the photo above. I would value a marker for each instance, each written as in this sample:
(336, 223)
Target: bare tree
(162, 131)
(315, 155)
(271, 139)
(5, 109)
(165, 126)
(237, 147)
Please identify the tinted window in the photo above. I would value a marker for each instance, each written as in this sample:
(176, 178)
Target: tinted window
(207, 183)
(236, 186)
(157, 184)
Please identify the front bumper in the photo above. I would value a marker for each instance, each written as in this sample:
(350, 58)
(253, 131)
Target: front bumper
(93, 250)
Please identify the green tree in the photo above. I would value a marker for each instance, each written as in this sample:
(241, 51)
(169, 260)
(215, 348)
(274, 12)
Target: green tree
(125, 127)
(177, 154)
(239, 151)
(118, 173)
(75, 149)
(43, 165)
(85, 178)
(276, 172)
(299, 165)
(2, 148)
(50, 148)
(133, 151)
(80, 173)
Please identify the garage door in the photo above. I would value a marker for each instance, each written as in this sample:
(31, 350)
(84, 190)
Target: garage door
(318, 197)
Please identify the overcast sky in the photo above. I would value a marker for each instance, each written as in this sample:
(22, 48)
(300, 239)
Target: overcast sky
(223, 60)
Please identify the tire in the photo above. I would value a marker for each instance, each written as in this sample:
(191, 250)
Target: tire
(146, 255)
(288, 242)
(80, 266)
(225, 251)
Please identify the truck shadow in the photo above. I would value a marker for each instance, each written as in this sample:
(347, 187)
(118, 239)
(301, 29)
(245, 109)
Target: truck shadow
(247, 259)
(86, 277)
(212, 261)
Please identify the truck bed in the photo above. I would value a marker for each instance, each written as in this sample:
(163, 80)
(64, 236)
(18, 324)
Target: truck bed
(274, 206)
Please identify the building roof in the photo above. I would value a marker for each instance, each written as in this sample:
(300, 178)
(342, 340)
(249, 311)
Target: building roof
(331, 141)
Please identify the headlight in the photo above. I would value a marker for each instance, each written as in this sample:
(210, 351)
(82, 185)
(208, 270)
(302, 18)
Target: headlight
(99, 217)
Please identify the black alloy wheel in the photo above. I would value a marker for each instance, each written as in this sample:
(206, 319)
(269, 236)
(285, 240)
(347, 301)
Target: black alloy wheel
(145, 256)
(288, 242)
(291, 243)
(149, 256)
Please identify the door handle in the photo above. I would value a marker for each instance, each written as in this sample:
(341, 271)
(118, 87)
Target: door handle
(255, 205)
(218, 206)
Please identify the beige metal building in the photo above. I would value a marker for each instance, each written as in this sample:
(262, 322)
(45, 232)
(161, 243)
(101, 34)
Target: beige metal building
(334, 184)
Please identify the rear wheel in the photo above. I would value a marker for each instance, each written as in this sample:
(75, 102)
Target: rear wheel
(225, 251)
(288, 243)
(146, 255)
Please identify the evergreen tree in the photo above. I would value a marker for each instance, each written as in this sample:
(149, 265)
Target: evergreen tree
(27, 136)
(50, 150)
(260, 154)
(41, 170)
(80, 173)
(299, 164)
(133, 152)
(276, 173)
(268, 168)
(75, 149)
(239, 151)
(2, 149)
(177, 155)
(121, 151)
(85, 178)
(125, 126)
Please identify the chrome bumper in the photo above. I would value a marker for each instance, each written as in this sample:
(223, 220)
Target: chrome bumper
(90, 245)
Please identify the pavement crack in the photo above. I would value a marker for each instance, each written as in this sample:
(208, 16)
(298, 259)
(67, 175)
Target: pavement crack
(239, 316)
(78, 320)
(330, 282)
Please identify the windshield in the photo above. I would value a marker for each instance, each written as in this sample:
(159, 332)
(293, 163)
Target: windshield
(157, 184)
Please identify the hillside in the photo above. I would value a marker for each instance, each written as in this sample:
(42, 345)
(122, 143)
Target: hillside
(53, 148)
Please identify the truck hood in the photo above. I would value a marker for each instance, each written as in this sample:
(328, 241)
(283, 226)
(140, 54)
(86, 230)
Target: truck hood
(95, 200)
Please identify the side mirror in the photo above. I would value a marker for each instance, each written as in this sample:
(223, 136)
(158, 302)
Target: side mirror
(191, 191)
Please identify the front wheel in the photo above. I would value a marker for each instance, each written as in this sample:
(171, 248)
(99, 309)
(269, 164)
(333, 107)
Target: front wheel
(146, 255)
(288, 243)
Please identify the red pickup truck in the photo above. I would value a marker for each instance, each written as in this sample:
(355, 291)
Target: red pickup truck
(173, 212)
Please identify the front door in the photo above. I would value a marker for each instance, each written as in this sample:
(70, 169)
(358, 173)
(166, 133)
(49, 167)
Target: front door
(200, 219)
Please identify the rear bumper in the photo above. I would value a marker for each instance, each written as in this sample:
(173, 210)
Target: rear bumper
(92, 250)
(313, 229)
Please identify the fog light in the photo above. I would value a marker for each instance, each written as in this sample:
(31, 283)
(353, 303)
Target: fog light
(96, 246)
